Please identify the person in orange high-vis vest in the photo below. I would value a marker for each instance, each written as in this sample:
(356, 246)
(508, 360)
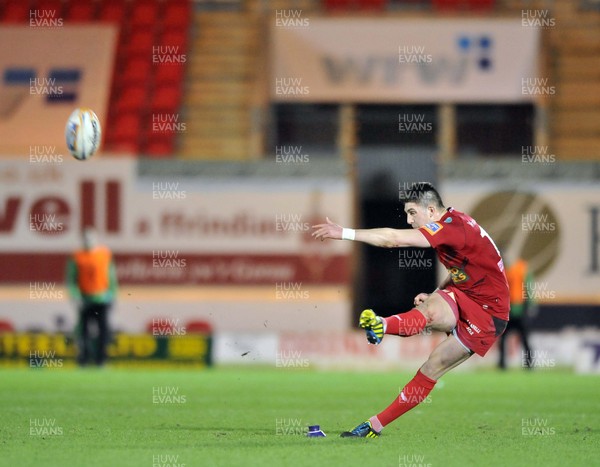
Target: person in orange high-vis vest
(519, 283)
(92, 283)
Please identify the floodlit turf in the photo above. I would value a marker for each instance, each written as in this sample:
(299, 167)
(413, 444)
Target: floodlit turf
(247, 417)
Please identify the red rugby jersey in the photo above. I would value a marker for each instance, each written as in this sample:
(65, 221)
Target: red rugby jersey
(472, 260)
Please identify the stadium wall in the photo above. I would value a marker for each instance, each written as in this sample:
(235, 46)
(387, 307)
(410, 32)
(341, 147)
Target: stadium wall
(232, 251)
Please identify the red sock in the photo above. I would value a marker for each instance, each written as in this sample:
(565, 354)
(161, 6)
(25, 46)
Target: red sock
(413, 393)
(406, 324)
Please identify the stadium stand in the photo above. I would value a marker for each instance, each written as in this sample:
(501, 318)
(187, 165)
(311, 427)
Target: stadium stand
(149, 65)
(113, 11)
(575, 70)
(146, 39)
(143, 69)
(15, 12)
(221, 77)
(126, 132)
(339, 6)
(82, 11)
(220, 90)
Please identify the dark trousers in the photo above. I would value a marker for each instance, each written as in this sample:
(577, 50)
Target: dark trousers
(515, 324)
(89, 313)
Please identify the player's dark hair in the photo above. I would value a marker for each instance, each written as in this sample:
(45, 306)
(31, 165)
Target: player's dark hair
(422, 193)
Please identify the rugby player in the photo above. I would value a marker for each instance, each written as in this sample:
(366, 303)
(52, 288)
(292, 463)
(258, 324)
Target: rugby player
(471, 305)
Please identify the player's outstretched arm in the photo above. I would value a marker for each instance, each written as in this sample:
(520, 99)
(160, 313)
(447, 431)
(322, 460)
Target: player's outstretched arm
(384, 237)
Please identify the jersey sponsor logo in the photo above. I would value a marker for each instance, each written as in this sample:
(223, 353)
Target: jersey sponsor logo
(433, 228)
(448, 220)
(458, 275)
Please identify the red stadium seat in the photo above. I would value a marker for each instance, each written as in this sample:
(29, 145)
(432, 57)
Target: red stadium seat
(124, 133)
(353, 5)
(133, 98)
(449, 5)
(373, 5)
(177, 14)
(482, 4)
(166, 99)
(144, 13)
(122, 46)
(131, 105)
(141, 42)
(446, 4)
(160, 147)
(137, 70)
(340, 5)
(168, 74)
(123, 147)
(15, 12)
(113, 11)
(174, 37)
(52, 8)
(333, 5)
(80, 10)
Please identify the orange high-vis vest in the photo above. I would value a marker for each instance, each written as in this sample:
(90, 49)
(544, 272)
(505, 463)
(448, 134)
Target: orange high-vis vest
(516, 275)
(93, 270)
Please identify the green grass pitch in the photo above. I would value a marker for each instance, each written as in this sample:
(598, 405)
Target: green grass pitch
(255, 417)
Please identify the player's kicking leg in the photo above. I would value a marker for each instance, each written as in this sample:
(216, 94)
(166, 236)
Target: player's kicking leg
(447, 355)
(435, 313)
(438, 313)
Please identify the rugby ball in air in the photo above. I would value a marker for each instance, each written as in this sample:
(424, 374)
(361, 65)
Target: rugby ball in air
(83, 133)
